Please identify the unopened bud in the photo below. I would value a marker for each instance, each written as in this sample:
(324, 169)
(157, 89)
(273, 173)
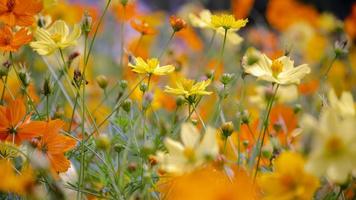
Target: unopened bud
(126, 105)
(25, 78)
(227, 129)
(87, 23)
(102, 81)
(47, 88)
(226, 78)
(103, 142)
(177, 23)
(132, 167)
(123, 84)
(143, 87)
(180, 101)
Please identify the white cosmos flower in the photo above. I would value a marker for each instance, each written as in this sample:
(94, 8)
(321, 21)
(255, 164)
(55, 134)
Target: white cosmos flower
(191, 153)
(344, 106)
(334, 145)
(280, 70)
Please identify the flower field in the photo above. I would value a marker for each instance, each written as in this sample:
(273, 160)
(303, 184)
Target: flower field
(177, 100)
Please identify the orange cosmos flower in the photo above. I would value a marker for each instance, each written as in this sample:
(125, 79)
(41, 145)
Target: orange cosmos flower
(12, 41)
(19, 12)
(54, 145)
(143, 27)
(15, 126)
(177, 23)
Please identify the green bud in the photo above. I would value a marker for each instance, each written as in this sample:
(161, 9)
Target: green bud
(226, 78)
(143, 87)
(25, 78)
(47, 88)
(124, 2)
(87, 23)
(180, 101)
(297, 108)
(123, 84)
(103, 142)
(126, 105)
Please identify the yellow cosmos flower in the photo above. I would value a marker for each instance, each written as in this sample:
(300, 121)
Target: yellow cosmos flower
(289, 180)
(280, 70)
(227, 22)
(187, 88)
(11, 182)
(204, 21)
(150, 66)
(55, 37)
(334, 145)
(192, 153)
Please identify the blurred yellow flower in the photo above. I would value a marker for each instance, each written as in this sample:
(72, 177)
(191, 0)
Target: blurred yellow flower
(192, 153)
(204, 21)
(289, 180)
(227, 22)
(11, 182)
(150, 66)
(55, 37)
(334, 145)
(187, 88)
(280, 70)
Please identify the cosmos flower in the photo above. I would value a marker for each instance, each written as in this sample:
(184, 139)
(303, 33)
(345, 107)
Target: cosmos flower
(204, 21)
(19, 12)
(143, 27)
(280, 70)
(15, 126)
(334, 145)
(227, 22)
(150, 66)
(21, 184)
(344, 106)
(191, 153)
(53, 145)
(289, 179)
(57, 36)
(11, 41)
(187, 88)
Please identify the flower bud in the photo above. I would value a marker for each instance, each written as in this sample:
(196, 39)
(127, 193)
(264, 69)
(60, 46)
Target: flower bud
(297, 108)
(102, 81)
(226, 78)
(123, 84)
(340, 48)
(143, 87)
(118, 148)
(87, 23)
(132, 167)
(47, 88)
(126, 105)
(152, 160)
(25, 78)
(103, 142)
(227, 129)
(177, 23)
(180, 101)
(245, 117)
(5, 69)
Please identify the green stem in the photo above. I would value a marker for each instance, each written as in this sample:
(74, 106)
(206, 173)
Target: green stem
(73, 112)
(167, 45)
(264, 128)
(221, 53)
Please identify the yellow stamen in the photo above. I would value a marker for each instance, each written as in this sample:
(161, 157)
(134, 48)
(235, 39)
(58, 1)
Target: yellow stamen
(277, 67)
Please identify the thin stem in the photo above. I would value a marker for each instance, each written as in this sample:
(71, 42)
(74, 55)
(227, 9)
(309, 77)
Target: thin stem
(47, 107)
(265, 127)
(122, 44)
(329, 67)
(96, 32)
(73, 113)
(138, 43)
(199, 117)
(167, 45)
(221, 52)
(3, 89)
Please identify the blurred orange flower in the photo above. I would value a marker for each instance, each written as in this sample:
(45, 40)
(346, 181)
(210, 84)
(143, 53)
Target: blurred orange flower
(350, 22)
(143, 27)
(54, 145)
(19, 12)
(209, 183)
(282, 13)
(11, 41)
(15, 126)
(125, 13)
(241, 8)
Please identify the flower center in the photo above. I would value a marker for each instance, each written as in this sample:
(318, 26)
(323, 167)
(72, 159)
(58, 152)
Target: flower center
(334, 145)
(289, 182)
(56, 37)
(276, 67)
(10, 5)
(12, 130)
(189, 153)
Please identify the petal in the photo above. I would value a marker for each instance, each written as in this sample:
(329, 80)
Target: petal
(16, 111)
(293, 76)
(189, 135)
(209, 145)
(174, 148)
(164, 70)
